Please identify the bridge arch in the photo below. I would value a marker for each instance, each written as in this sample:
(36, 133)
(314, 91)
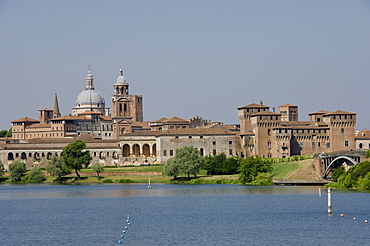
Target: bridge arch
(336, 162)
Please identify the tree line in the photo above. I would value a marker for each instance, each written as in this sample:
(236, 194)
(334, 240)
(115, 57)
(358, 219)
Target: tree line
(6, 133)
(187, 160)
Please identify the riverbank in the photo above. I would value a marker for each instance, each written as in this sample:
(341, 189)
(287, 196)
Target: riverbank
(284, 173)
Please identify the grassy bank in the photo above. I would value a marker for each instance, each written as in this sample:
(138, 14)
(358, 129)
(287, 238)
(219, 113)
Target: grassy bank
(303, 169)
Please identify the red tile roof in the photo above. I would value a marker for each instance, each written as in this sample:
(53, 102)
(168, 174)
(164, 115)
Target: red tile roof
(254, 105)
(26, 119)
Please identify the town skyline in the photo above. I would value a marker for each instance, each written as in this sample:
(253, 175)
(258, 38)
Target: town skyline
(187, 58)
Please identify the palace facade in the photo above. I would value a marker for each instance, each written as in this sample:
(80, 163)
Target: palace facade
(124, 138)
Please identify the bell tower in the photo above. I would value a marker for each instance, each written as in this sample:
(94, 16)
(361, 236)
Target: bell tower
(126, 106)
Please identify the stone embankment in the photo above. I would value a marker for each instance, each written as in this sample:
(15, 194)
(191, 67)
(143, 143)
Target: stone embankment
(300, 181)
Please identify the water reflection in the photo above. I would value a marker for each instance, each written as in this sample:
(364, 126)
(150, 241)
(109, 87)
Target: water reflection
(129, 190)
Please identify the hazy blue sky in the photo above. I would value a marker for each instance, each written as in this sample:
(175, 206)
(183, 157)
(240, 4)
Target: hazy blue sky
(187, 58)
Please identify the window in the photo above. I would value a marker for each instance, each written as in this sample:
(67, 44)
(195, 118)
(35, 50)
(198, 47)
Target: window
(313, 145)
(214, 152)
(200, 136)
(172, 127)
(176, 136)
(164, 152)
(230, 152)
(346, 143)
(269, 156)
(190, 136)
(201, 151)
(230, 142)
(342, 131)
(301, 144)
(214, 142)
(360, 145)
(269, 144)
(171, 152)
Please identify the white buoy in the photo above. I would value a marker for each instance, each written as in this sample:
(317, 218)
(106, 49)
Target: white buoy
(329, 200)
(126, 227)
(149, 186)
(354, 218)
(319, 192)
(365, 221)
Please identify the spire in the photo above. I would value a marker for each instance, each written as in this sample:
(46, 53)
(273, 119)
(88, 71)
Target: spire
(56, 112)
(89, 80)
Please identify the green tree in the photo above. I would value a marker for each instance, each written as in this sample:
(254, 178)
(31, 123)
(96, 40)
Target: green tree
(368, 154)
(9, 134)
(75, 156)
(220, 164)
(172, 168)
(17, 170)
(3, 133)
(98, 169)
(251, 167)
(190, 160)
(187, 160)
(232, 164)
(338, 172)
(1, 168)
(56, 167)
(35, 175)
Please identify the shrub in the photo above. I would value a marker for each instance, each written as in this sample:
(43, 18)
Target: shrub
(125, 181)
(107, 181)
(35, 176)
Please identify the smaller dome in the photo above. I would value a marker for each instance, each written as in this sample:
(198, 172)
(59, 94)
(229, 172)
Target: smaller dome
(121, 79)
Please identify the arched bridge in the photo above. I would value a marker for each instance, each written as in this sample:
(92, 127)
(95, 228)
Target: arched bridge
(332, 161)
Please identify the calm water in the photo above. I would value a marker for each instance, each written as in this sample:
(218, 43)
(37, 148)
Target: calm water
(180, 215)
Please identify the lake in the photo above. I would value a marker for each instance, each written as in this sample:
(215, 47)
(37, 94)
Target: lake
(180, 215)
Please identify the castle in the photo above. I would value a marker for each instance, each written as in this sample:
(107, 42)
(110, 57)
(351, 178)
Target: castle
(124, 138)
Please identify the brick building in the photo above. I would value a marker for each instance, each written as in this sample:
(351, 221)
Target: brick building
(270, 135)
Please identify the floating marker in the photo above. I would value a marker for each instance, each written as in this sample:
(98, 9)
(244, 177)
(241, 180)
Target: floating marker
(122, 236)
(126, 227)
(123, 231)
(329, 200)
(128, 223)
(365, 221)
(354, 218)
(127, 220)
(119, 242)
(341, 215)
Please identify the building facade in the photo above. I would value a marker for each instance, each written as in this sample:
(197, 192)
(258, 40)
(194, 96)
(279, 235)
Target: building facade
(279, 135)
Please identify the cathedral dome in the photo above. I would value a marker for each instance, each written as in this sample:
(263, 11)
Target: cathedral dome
(90, 96)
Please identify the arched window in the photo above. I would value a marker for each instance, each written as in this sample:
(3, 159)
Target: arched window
(10, 156)
(201, 151)
(342, 130)
(360, 146)
(126, 150)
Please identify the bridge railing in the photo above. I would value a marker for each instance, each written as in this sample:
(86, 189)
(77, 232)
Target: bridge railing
(359, 153)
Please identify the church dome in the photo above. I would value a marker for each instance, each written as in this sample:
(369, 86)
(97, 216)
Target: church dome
(90, 96)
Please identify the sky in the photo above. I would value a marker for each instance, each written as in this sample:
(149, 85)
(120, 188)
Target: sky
(187, 58)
